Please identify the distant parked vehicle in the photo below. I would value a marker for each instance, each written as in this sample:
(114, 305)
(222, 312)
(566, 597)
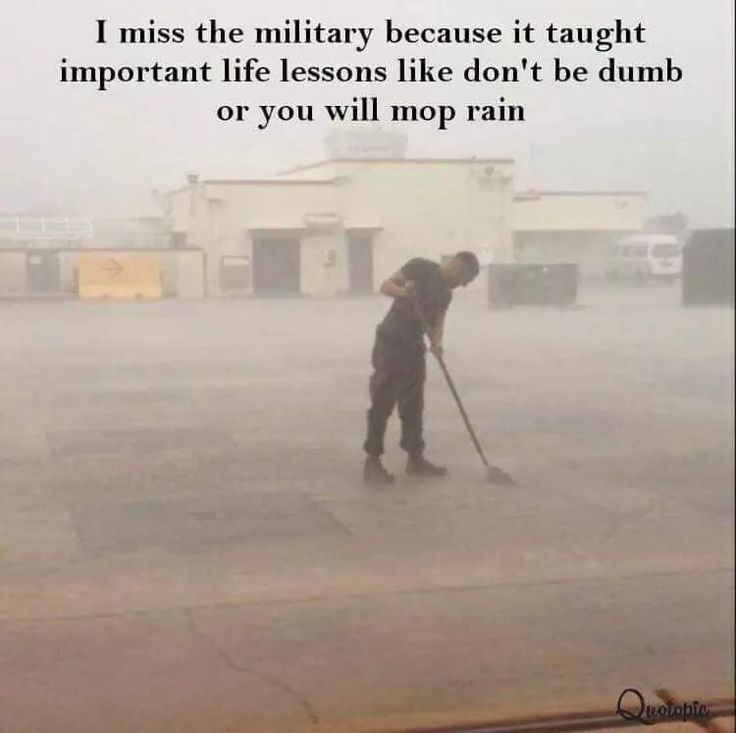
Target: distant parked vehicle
(646, 257)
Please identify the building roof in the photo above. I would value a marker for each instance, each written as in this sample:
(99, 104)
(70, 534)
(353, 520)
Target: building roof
(533, 195)
(271, 181)
(257, 182)
(393, 161)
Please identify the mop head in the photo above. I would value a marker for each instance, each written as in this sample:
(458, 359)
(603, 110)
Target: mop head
(499, 477)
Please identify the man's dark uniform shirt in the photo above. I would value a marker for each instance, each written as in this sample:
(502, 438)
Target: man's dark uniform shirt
(401, 323)
(398, 358)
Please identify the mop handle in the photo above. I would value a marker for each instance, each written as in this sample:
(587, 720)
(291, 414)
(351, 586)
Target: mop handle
(453, 389)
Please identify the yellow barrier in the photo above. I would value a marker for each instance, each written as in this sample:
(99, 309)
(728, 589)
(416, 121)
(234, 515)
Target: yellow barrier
(118, 276)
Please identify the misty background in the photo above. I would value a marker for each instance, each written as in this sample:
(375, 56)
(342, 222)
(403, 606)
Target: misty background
(70, 147)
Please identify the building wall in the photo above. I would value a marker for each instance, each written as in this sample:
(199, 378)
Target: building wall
(424, 208)
(12, 273)
(323, 263)
(68, 271)
(225, 218)
(190, 274)
(573, 227)
(181, 270)
(427, 208)
(583, 211)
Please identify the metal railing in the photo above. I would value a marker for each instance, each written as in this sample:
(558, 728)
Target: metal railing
(45, 227)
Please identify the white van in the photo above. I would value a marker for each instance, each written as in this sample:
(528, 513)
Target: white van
(646, 257)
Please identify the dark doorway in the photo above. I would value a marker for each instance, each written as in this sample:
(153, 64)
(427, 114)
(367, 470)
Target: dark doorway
(42, 272)
(276, 266)
(360, 262)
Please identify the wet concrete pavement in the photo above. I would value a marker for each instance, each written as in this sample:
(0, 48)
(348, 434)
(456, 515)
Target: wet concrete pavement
(185, 543)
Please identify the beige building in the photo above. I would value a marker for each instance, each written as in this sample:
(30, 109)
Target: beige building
(334, 227)
(40, 255)
(341, 226)
(575, 226)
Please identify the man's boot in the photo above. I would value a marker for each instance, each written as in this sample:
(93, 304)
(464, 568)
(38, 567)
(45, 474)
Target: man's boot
(418, 465)
(374, 472)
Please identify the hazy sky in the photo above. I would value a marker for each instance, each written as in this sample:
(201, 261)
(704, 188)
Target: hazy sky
(66, 145)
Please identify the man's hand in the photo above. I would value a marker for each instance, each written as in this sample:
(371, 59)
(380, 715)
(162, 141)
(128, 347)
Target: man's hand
(437, 349)
(397, 286)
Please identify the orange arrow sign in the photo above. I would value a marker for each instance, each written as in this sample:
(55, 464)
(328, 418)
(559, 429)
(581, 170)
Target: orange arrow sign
(113, 269)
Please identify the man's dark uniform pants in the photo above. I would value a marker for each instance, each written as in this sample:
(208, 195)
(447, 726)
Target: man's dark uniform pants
(398, 378)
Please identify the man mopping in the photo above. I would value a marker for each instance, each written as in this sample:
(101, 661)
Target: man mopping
(422, 292)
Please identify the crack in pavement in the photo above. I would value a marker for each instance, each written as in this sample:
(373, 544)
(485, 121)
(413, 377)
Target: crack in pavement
(231, 664)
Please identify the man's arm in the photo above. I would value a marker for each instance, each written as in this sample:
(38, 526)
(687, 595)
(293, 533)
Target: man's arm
(436, 335)
(398, 286)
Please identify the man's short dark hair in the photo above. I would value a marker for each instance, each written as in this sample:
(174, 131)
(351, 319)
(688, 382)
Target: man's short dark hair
(471, 261)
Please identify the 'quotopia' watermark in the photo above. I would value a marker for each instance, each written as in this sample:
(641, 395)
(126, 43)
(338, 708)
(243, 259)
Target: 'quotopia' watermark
(632, 706)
